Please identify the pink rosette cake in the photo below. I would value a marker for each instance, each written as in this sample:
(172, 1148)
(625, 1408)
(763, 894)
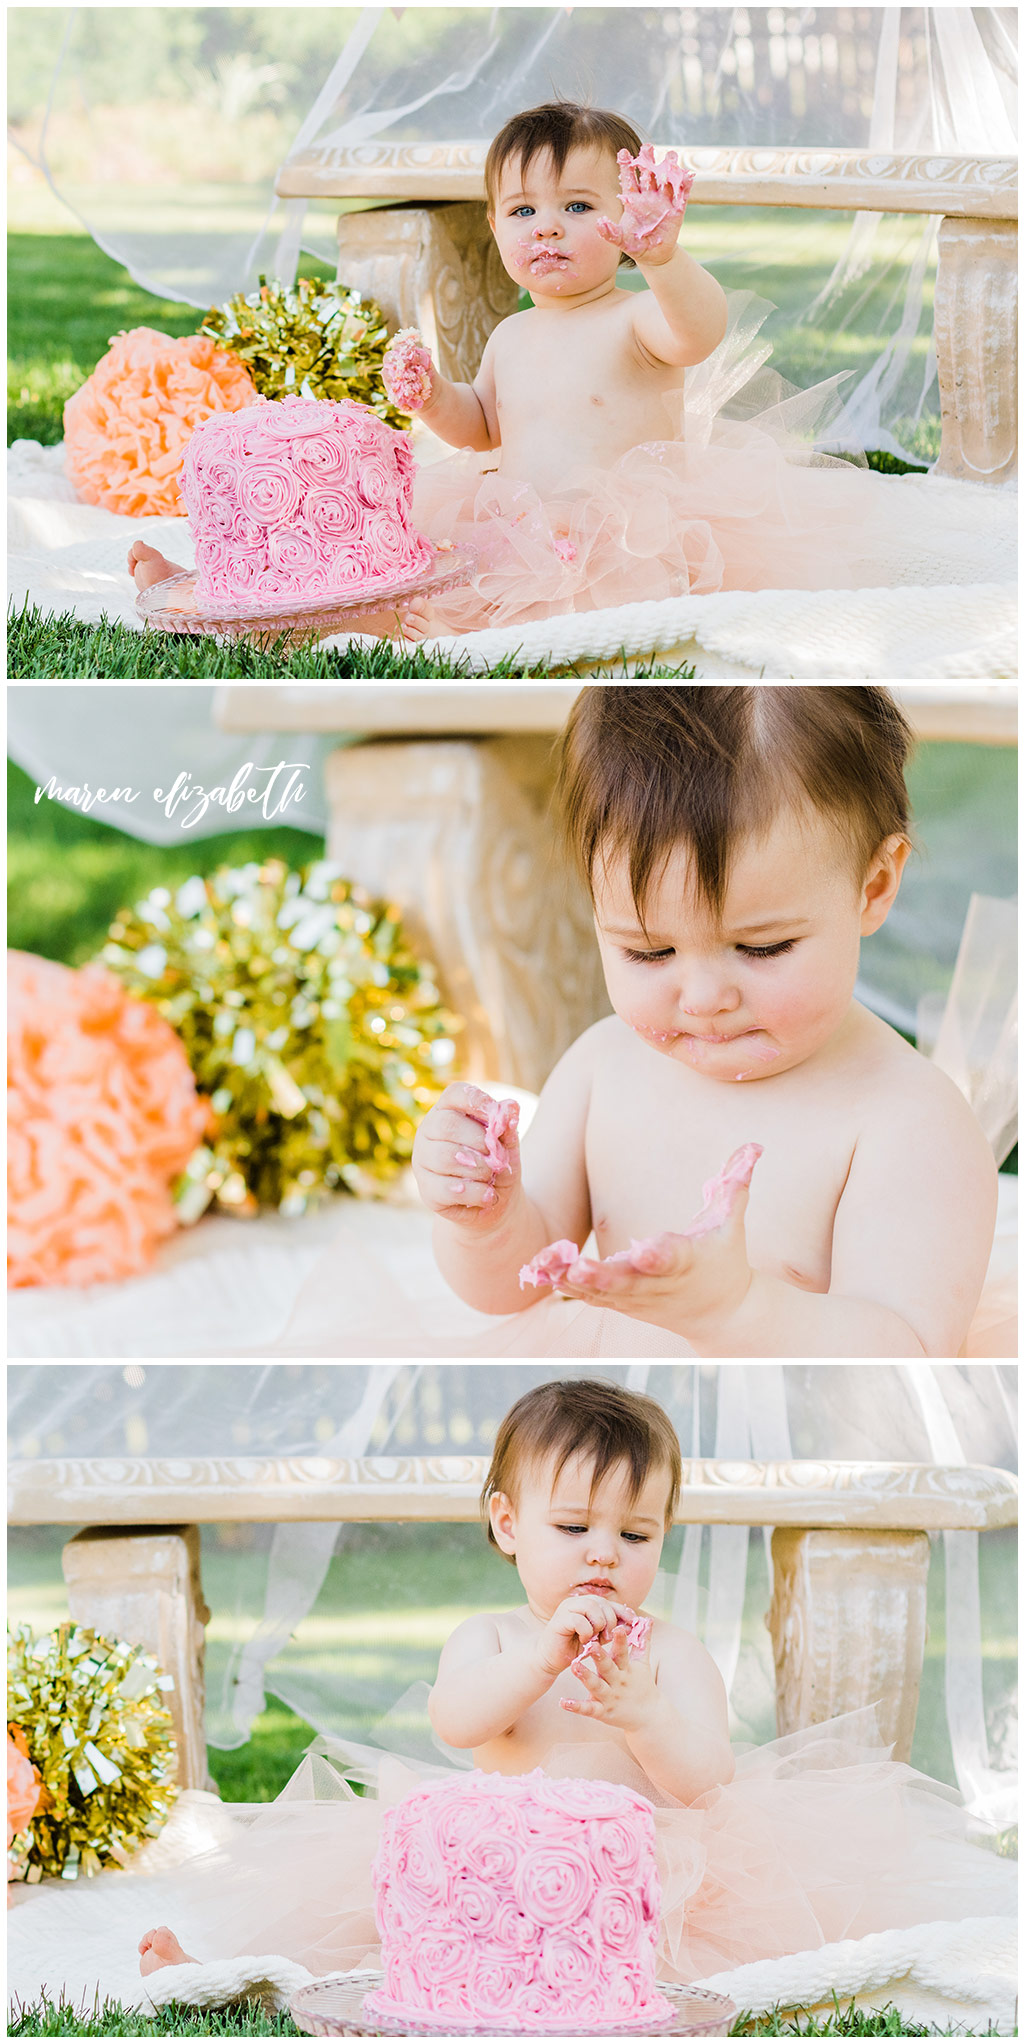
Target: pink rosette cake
(300, 501)
(517, 1902)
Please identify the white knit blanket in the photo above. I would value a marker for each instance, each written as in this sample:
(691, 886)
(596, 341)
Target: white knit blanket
(66, 556)
(959, 1975)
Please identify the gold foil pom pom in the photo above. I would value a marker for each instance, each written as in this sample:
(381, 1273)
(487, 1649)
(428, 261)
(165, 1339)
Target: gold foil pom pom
(317, 1035)
(308, 339)
(90, 1714)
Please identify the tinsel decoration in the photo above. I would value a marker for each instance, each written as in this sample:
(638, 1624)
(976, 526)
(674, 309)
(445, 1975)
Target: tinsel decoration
(307, 1019)
(310, 339)
(93, 1721)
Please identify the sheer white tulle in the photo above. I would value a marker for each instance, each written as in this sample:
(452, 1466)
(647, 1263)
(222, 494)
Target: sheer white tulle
(938, 79)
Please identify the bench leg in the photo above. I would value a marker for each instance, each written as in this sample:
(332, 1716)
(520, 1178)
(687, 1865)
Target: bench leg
(456, 831)
(143, 1586)
(976, 347)
(434, 267)
(847, 1621)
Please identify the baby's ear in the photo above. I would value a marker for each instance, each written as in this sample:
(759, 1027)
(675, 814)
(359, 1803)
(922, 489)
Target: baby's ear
(882, 883)
(503, 1522)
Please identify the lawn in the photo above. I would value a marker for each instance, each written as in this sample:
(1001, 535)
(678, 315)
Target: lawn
(66, 299)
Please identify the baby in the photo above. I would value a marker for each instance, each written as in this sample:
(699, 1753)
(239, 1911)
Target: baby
(582, 1489)
(738, 843)
(777, 1853)
(571, 193)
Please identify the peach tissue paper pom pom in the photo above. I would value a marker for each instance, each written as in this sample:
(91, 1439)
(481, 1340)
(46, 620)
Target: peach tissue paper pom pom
(126, 430)
(25, 1792)
(102, 1115)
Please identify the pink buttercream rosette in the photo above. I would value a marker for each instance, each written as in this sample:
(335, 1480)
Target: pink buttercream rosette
(102, 1115)
(300, 501)
(126, 429)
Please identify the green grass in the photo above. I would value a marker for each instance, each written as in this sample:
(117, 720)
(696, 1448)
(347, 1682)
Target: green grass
(248, 2019)
(69, 874)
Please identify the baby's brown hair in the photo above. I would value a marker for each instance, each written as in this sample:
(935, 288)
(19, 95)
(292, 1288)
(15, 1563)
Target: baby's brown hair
(600, 1422)
(643, 769)
(560, 125)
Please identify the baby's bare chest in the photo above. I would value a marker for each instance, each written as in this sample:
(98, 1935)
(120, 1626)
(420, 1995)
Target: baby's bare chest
(655, 1136)
(545, 1727)
(581, 368)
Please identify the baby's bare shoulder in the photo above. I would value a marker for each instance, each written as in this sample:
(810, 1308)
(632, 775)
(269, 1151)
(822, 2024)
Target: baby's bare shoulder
(909, 1096)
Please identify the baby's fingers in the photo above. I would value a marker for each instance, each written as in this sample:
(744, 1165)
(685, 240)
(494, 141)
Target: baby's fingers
(609, 230)
(660, 1255)
(583, 1710)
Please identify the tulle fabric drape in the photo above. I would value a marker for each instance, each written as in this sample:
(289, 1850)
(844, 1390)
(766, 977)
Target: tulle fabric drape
(938, 80)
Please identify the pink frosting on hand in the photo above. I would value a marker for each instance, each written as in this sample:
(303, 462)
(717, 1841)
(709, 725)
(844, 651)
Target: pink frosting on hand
(639, 1628)
(518, 1902)
(300, 499)
(407, 370)
(502, 1120)
(654, 199)
(722, 1191)
(551, 1266)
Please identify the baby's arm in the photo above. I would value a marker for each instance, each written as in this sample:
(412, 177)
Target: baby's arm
(481, 1249)
(481, 1692)
(674, 1716)
(462, 414)
(910, 1242)
(483, 1688)
(683, 315)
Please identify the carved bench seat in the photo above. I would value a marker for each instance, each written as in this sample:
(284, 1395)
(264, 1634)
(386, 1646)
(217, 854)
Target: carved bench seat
(850, 1554)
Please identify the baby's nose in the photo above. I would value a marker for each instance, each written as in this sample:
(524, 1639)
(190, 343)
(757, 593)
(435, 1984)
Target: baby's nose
(706, 994)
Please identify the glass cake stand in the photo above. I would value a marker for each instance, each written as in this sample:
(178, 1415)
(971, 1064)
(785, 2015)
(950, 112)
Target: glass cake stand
(334, 2008)
(170, 605)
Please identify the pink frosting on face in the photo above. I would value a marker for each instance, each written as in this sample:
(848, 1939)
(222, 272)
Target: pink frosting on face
(299, 499)
(637, 1641)
(551, 1266)
(521, 1903)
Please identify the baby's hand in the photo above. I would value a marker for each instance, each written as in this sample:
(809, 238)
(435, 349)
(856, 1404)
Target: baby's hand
(678, 1281)
(466, 1157)
(620, 1685)
(577, 1621)
(408, 371)
(654, 199)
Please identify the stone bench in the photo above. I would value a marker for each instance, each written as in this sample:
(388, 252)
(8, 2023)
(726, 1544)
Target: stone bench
(426, 254)
(447, 813)
(850, 1554)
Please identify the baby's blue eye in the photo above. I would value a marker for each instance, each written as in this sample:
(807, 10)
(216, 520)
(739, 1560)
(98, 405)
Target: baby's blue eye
(578, 206)
(636, 1536)
(517, 211)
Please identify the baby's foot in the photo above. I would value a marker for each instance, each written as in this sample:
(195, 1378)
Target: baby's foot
(146, 566)
(411, 623)
(159, 1948)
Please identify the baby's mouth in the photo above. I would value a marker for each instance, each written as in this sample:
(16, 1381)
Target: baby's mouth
(548, 259)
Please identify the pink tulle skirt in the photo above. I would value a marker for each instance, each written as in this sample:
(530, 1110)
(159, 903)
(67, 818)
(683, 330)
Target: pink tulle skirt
(737, 499)
(820, 1836)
